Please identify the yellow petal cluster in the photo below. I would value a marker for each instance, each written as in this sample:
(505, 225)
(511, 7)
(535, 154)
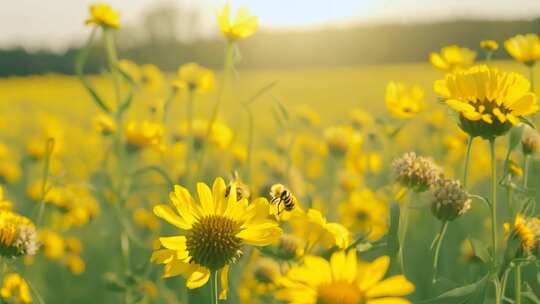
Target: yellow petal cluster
(103, 15)
(15, 289)
(194, 77)
(403, 101)
(213, 231)
(452, 58)
(524, 48)
(242, 26)
(487, 100)
(343, 280)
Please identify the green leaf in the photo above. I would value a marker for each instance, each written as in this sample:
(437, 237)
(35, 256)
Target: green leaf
(463, 294)
(392, 244)
(113, 283)
(480, 250)
(515, 137)
(282, 109)
(527, 121)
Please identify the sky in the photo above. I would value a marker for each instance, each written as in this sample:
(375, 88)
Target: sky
(56, 24)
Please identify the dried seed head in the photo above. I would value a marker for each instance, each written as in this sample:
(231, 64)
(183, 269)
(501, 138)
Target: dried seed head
(530, 141)
(27, 241)
(266, 271)
(416, 172)
(450, 200)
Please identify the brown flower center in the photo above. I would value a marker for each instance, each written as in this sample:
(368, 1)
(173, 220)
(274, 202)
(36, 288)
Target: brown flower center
(212, 242)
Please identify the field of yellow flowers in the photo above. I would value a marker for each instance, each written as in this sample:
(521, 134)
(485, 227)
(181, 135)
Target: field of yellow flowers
(413, 183)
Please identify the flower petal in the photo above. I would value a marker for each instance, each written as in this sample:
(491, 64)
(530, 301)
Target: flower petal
(224, 283)
(261, 235)
(205, 197)
(394, 286)
(166, 213)
(373, 272)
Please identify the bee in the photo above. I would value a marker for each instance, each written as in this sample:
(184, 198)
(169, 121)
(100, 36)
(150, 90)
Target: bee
(242, 190)
(282, 196)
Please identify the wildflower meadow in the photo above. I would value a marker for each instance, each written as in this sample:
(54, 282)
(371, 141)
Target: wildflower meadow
(383, 184)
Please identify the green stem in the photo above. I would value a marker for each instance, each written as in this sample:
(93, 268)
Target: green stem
(493, 200)
(531, 76)
(167, 104)
(517, 284)
(214, 283)
(112, 58)
(440, 237)
(332, 177)
(402, 230)
(526, 171)
(228, 66)
(467, 160)
(189, 148)
(249, 158)
(48, 153)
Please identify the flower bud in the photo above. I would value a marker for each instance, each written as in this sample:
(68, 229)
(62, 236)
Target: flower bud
(530, 141)
(416, 172)
(450, 200)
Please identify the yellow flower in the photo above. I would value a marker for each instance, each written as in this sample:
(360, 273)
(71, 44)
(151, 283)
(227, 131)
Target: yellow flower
(315, 230)
(213, 232)
(361, 119)
(103, 15)
(340, 139)
(527, 231)
(144, 219)
(524, 48)
(4, 203)
(221, 135)
(104, 124)
(130, 69)
(452, 58)
(343, 280)
(365, 213)
(243, 26)
(75, 264)
(151, 77)
(488, 101)
(36, 148)
(18, 235)
(404, 101)
(489, 45)
(140, 135)
(53, 244)
(15, 289)
(194, 77)
(307, 115)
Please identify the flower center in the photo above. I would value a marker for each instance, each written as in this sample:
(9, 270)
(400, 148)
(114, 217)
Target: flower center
(212, 242)
(339, 293)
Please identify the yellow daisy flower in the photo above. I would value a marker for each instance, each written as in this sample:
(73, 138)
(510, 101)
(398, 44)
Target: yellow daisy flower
(243, 26)
(213, 232)
(526, 230)
(18, 236)
(140, 135)
(15, 289)
(343, 280)
(489, 45)
(404, 101)
(488, 101)
(365, 212)
(315, 230)
(340, 139)
(193, 77)
(524, 48)
(452, 58)
(103, 15)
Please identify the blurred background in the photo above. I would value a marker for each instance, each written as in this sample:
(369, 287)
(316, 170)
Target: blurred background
(44, 36)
